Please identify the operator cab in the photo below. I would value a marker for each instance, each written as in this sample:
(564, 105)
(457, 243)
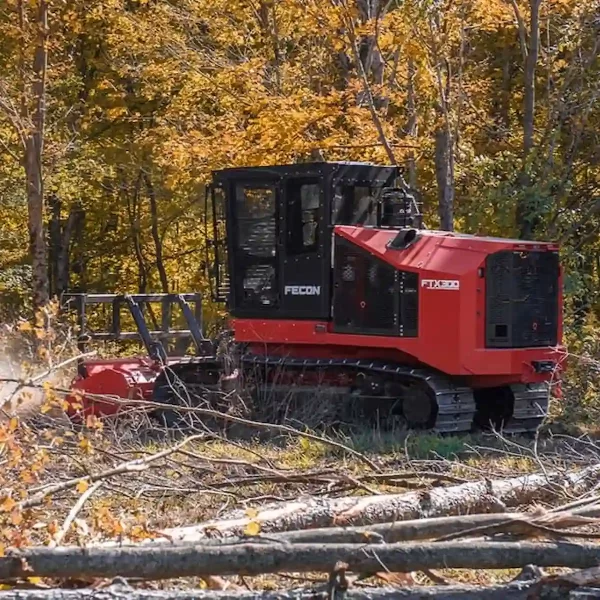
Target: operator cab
(272, 231)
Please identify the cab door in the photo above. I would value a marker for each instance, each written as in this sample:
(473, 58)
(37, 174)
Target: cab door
(254, 217)
(305, 268)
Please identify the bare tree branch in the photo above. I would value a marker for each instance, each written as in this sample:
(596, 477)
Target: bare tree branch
(60, 534)
(522, 29)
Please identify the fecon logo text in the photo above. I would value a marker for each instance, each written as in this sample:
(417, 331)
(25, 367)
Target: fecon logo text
(303, 290)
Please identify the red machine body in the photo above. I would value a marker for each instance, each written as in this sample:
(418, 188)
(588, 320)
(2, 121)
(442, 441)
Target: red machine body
(452, 314)
(123, 379)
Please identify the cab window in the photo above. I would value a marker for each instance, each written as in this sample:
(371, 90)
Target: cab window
(303, 215)
(354, 205)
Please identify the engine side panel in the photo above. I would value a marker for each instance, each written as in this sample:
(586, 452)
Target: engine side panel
(371, 296)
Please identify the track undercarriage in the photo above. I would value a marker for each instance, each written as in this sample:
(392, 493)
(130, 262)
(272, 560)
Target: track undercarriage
(330, 391)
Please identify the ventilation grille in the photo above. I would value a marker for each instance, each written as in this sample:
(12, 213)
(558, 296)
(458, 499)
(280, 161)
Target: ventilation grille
(522, 299)
(371, 296)
(259, 286)
(257, 237)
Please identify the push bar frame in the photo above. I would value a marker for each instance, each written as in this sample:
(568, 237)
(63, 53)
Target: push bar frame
(151, 338)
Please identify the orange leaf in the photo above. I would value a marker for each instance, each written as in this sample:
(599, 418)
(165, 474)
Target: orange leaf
(26, 476)
(252, 529)
(52, 527)
(7, 504)
(85, 445)
(82, 486)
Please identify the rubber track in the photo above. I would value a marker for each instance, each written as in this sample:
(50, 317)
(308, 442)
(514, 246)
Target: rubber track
(530, 407)
(456, 405)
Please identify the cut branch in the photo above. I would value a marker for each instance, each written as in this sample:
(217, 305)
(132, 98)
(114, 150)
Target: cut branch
(60, 534)
(132, 466)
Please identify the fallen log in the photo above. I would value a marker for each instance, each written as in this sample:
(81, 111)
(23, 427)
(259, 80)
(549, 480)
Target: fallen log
(166, 562)
(511, 591)
(472, 497)
(538, 524)
(438, 527)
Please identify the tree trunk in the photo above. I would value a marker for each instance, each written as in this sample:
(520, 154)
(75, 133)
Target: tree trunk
(444, 172)
(35, 224)
(54, 235)
(78, 262)
(474, 525)
(59, 250)
(551, 525)
(262, 557)
(63, 270)
(505, 97)
(367, 97)
(472, 497)
(133, 212)
(266, 14)
(521, 590)
(369, 54)
(411, 125)
(444, 139)
(34, 150)
(527, 218)
(530, 69)
(343, 63)
(158, 249)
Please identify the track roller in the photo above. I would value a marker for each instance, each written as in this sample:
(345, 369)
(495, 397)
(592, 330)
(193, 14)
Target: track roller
(512, 409)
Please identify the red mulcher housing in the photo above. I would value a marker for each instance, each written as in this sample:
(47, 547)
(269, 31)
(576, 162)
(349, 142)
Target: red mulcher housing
(334, 287)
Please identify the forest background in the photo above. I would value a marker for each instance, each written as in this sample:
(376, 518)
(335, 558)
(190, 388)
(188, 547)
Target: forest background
(114, 112)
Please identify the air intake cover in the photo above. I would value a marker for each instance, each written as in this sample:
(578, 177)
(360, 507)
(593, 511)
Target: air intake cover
(522, 299)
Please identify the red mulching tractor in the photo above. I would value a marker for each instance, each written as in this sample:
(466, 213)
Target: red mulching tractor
(335, 289)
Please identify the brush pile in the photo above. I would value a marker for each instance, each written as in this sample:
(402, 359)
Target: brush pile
(125, 509)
